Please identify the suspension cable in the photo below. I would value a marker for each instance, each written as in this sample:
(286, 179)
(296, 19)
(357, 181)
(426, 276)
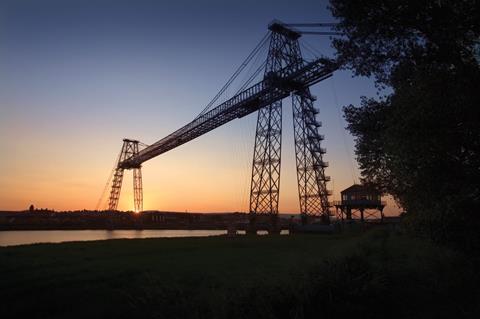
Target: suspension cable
(312, 47)
(347, 150)
(252, 77)
(143, 145)
(108, 182)
(99, 203)
(321, 32)
(236, 73)
(256, 66)
(304, 46)
(325, 24)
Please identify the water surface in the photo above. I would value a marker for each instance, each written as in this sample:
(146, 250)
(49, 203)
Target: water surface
(24, 237)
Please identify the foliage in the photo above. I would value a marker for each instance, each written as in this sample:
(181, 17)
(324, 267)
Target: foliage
(382, 35)
(421, 143)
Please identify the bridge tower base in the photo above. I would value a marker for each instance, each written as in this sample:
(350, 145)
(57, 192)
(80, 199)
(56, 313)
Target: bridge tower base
(129, 149)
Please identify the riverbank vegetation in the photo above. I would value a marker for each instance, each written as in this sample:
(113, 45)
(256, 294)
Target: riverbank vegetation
(419, 139)
(376, 274)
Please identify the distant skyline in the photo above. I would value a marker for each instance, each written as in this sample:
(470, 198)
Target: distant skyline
(76, 77)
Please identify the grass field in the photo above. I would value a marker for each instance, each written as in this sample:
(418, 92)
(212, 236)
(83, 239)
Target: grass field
(373, 275)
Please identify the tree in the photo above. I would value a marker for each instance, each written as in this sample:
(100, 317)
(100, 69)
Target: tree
(421, 143)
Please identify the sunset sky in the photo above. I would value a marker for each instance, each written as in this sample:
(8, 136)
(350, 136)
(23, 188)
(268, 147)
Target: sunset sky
(76, 77)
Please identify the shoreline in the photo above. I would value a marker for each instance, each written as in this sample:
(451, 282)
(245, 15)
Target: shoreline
(47, 228)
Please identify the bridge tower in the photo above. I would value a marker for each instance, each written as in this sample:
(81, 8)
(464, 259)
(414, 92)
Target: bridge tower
(284, 51)
(129, 149)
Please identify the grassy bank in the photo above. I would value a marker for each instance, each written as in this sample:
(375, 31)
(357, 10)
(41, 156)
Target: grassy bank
(376, 274)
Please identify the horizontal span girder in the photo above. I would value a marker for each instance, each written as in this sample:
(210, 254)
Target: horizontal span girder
(262, 94)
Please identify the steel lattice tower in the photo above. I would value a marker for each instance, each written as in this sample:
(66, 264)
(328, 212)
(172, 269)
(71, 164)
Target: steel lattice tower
(284, 51)
(312, 190)
(129, 149)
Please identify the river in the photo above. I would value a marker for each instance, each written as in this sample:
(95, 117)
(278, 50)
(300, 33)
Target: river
(24, 237)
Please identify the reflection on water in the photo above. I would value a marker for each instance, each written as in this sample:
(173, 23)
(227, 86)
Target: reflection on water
(22, 237)
(264, 232)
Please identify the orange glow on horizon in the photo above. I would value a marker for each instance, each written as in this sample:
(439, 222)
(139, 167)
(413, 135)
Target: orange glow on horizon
(207, 182)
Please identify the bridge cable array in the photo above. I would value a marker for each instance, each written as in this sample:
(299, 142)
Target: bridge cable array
(236, 73)
(107, 186)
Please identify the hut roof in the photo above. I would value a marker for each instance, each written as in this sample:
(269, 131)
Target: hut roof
(359, 188)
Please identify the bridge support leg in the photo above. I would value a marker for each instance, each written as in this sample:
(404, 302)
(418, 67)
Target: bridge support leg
(312, 189)
(265, 182)
(129, 149)
(252, 225)
(137, 190)
(116, 188)
(274, 225)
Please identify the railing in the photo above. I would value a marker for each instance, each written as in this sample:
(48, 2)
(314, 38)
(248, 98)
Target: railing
(360, 202)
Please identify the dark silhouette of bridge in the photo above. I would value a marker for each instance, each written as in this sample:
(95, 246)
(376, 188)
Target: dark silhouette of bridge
(285, 73)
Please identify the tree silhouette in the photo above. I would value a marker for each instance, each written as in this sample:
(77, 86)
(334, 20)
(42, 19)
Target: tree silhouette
(420, 143)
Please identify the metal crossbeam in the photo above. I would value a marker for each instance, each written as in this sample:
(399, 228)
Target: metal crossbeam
(273, 88)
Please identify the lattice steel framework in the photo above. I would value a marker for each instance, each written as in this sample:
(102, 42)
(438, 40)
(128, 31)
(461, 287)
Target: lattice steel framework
(286, 74)
(265, 182)
(284, 52)
(129, 149)
(312, 189)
